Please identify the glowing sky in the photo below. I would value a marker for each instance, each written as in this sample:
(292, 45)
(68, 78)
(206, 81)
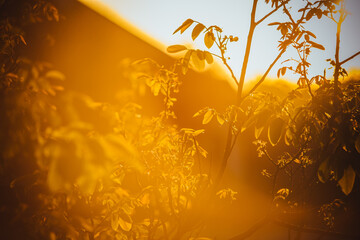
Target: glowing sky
(159, 19)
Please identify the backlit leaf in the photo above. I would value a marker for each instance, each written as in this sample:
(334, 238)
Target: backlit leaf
(324, 171)
(197, 132)
(186, 60)
(208, 57)
(200, 54)
(176, 48)
(184, 26)
(197, 61)
(282, 193)
(202, 151)
(198, 113)
(275, 130)
(53, 74)
(208, 116)
(23, 40)
(220, 120)
(156, 88)
(114, 221)
(209, 39)
(347, 181)
(125, 222)
(288, 137)
(258, 131)
(197, 30)
(261, 119)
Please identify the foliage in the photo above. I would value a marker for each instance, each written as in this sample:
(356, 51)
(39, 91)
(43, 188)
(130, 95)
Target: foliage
(75, 168)
(314, 129)
(81, 169)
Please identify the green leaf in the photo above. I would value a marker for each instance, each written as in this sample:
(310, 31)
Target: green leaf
(208, 57)
(209, 39)
(275, 130)
(176, 48)
(208, 116)
(347, 181)
(184, 26)
(197, 30)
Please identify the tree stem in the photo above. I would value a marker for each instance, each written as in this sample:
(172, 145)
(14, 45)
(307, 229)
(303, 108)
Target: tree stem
(247, 52)
(337, 48)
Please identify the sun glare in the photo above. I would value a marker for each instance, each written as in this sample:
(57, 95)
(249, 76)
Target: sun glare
(179, 120)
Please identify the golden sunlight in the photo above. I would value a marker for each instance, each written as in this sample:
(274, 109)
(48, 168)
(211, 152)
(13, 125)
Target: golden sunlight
(179, 120)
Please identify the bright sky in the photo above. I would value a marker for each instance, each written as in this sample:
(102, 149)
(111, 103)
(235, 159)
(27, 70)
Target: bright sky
(159, 19)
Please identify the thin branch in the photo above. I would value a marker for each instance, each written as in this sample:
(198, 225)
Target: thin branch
(270, 13)
(223, 58)
(269, 158)
(235, 138)
(349, 58)
(266, 73)
(230, 70)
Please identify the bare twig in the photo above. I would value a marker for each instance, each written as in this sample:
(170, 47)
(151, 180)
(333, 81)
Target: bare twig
(230, 70)
(266, 73)
(270, 13)
(349, 58)
(220, 45)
